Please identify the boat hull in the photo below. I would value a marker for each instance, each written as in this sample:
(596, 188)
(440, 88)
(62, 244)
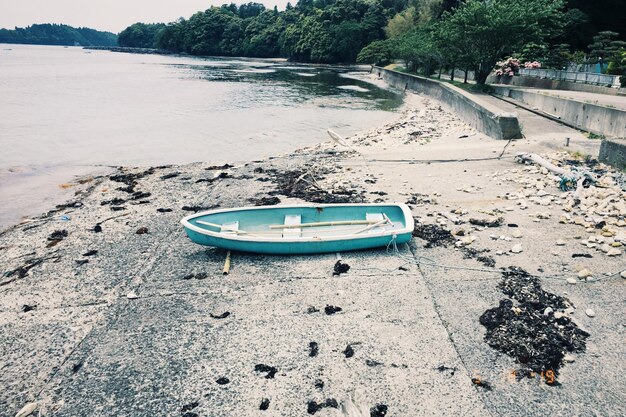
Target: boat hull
(400, 214)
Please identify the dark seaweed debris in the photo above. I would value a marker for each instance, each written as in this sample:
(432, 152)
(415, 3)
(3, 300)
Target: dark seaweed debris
(313, 349)
(113, 202)
(214, 167)
(379, 410)
(222, 381)
(487, 223)
(220, 316)
(536, 340)
(199, 275)
(340, 268)
(372, 363)
(472, 253)
(196, 209)
(77, 367)
(170, 175)
(312, 309)
(348, 351)
(189, 407)
(130, 179)
(26, 308)
(305, 186)
(142, 231)
(265, 404)
(271, 370)
(58, 235)
(443, 368)
(91, 252)
(582, 255)
(480, 383)
(313, 407)
(265, 201)
(319, 384)
(164, 210)
(417, 198)
(433, 235)
(22, 271)
(329, 310)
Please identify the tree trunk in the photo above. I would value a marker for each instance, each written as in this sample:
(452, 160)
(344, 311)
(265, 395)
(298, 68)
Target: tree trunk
(481, 76)
(465, 79)
(440, 69)
(452, 73)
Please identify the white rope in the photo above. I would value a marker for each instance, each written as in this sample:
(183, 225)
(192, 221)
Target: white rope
(424, 261)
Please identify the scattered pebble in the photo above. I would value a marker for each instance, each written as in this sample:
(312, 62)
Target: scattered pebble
(517, 248)
(590, 312)
(584, 273)
(142, 231)
(569, 358)
(132, 295)
(560, 242)
(572, 281)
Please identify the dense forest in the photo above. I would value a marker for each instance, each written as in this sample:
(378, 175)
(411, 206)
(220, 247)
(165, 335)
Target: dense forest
(52, 34)
(326, 31)
(424, 33)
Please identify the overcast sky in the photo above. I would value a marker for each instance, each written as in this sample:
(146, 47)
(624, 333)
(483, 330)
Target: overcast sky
(111, 15)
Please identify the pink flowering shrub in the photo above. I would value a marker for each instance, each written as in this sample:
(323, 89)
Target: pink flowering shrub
(509, 67)
(532, 65)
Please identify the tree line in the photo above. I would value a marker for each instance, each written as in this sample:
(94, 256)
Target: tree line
(321, 31)
(426, 34)
(53, 34)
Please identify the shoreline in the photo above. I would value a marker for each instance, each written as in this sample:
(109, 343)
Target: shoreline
(412, 328)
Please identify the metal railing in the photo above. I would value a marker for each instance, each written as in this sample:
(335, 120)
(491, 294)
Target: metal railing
(577, 77)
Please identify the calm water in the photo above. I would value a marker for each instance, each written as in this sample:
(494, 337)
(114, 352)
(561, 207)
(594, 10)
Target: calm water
(65, 110)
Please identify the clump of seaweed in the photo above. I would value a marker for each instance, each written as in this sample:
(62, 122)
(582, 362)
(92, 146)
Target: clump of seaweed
(525, 327)
(304, 184)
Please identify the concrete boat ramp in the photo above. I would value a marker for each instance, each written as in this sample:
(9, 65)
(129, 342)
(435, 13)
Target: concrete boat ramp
(149, 325)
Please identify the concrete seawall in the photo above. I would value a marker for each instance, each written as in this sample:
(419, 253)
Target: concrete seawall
(477, 113)
(613, 152)
(548, 84)
(591, 117)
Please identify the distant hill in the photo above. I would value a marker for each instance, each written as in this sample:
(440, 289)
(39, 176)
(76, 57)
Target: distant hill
(53, 34)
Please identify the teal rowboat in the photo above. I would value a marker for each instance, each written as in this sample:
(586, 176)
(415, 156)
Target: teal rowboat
(301, 229)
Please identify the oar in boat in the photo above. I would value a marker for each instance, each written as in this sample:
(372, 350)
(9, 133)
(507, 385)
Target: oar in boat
(322, 224)
(372, 226)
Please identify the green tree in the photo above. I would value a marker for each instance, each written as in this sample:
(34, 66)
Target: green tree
(481, 32)
(140, 35)
(376, 53)
(606, 48)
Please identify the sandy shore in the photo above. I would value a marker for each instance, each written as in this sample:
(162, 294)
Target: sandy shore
(447, 325)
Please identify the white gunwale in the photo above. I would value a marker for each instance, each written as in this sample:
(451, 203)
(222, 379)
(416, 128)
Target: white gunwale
(408, 222)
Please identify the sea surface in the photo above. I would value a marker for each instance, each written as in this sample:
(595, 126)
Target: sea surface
(69, 111)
